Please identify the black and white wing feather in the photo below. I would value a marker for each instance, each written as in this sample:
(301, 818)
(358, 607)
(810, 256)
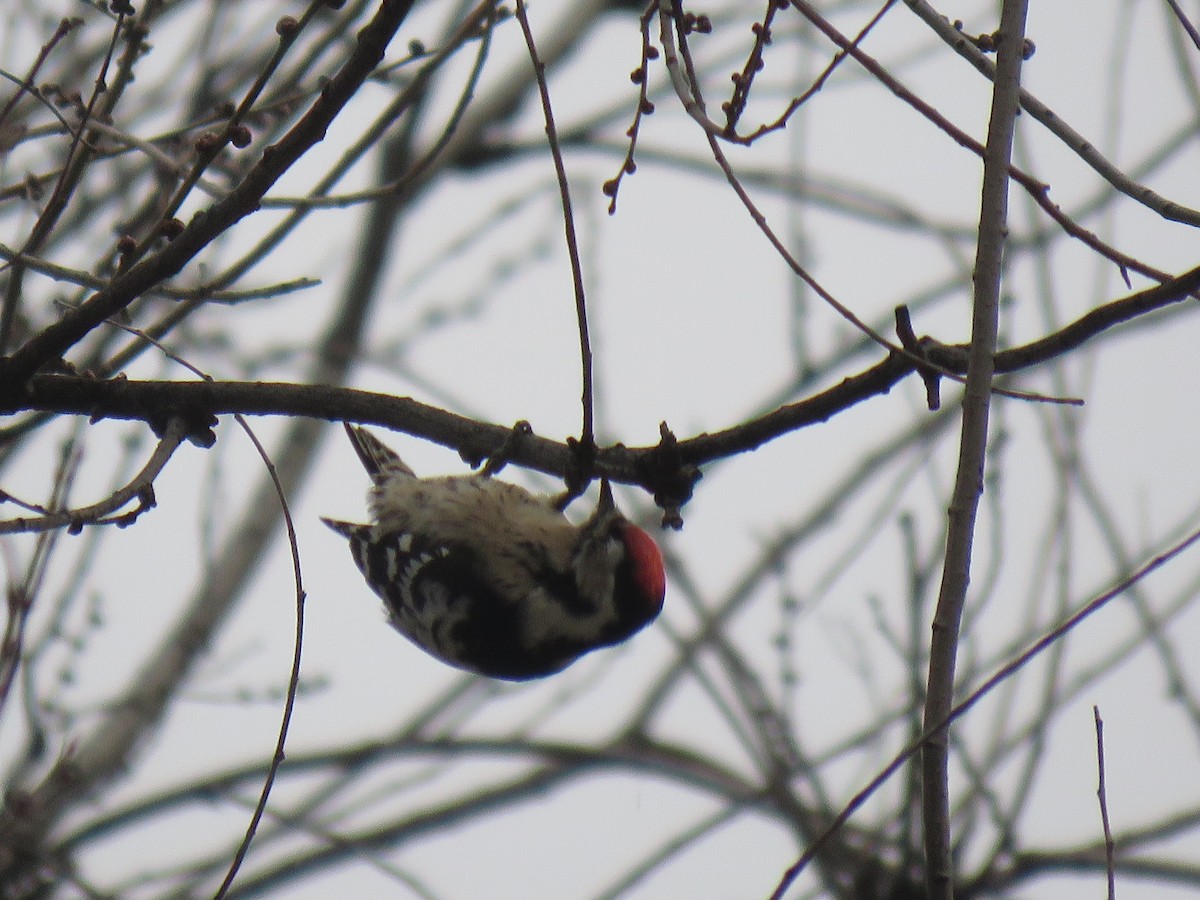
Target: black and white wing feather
(436, 597)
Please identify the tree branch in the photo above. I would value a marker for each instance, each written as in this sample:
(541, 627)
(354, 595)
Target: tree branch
(968, 483)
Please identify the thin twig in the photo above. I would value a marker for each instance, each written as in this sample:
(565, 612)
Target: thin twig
(21, 596)
(289, 702)
(78, 154)
(26, 85)
(1185, 22)
(587, 436)
(140, 487)
(1102, 794)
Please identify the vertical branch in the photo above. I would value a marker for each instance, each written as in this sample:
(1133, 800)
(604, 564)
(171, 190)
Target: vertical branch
(968, 485)
(587, 436)
(1102, 794)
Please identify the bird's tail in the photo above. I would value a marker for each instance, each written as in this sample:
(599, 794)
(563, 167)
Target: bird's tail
(380, 460)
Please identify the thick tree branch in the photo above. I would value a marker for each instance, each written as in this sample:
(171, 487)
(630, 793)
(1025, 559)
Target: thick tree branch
(667, 470)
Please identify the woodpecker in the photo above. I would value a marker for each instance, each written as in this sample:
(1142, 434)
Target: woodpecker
(493, 579)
